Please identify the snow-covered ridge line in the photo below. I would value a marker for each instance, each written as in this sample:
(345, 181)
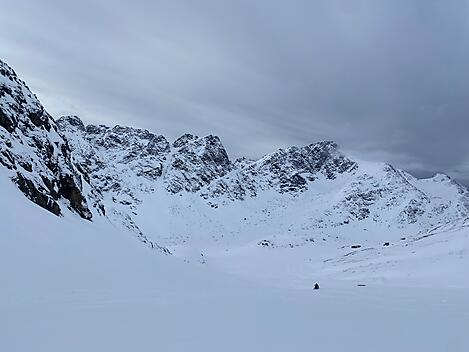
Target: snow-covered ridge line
(177, 191)
(125, 160)
(132, 167)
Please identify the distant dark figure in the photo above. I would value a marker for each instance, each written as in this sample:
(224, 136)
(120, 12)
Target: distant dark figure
(316, 286)
(386, 244)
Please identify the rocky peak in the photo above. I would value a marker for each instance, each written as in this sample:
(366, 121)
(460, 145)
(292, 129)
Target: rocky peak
(321, 157)
(122, 160)
(130, 142)
(93, 129)
(286, 171)
(196, 163)
(37, 156)
(183, 140)
(19, 107)
(72, 121)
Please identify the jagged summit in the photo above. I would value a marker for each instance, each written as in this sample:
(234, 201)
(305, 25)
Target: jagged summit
(37, 157)
(183, 140)
(19, 107)
(288, 170)
(193, 163)
(190, 164)
(71, 120)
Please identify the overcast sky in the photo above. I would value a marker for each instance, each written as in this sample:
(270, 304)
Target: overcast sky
(387, 80)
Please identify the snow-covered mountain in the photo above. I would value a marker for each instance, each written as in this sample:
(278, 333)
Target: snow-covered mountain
(75, 285)
(189, 191)
(177, 193)
(32, 149)
(385, 246)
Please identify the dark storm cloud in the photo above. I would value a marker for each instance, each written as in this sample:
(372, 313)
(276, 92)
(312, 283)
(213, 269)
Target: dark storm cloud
(388, 80)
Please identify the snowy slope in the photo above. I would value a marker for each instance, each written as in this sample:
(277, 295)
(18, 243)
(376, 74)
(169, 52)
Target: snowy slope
(194, 198)
(190, 199)
(69, 284)
(249, 239)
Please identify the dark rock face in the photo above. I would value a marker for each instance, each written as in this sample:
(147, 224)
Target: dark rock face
(183, 140)
(196, 163)
(38, 157)
(69, 190)
(112, 158)
(6, 122)
(75, 122)
(38, 196)
(40, 119)
(320, 157)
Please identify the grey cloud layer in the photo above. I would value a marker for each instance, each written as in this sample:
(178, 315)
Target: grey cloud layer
(387, 80)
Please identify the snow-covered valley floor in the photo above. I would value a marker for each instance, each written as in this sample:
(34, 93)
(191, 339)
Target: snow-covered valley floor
(71, 285)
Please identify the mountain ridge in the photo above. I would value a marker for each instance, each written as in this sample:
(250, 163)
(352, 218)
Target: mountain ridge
(34, 151)
(175, 192)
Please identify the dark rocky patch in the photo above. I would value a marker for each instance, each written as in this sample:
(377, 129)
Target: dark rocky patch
(38, 196)
(265, 243)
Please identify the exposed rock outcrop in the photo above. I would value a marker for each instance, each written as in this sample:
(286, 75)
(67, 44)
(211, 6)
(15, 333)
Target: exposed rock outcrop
(35, 153)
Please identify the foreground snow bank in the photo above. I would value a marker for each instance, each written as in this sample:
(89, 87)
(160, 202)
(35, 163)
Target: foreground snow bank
(71, 285)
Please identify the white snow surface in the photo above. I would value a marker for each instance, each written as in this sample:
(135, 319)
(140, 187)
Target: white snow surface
(248, 241)
(73, 285)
